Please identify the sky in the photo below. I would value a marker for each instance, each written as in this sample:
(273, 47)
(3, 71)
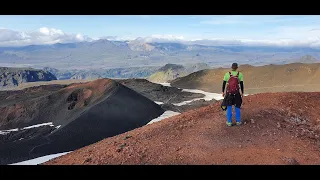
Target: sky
(268, 29)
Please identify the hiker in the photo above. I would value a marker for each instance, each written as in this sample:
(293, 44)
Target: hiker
(232, 91)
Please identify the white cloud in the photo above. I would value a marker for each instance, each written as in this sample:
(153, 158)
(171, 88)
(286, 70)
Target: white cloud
(259, 42)
(232, 19)
(145, 16)
(278, 36)
(168, 37)
(254, 20)
(156, 38)
(117, 38)
(43, 36)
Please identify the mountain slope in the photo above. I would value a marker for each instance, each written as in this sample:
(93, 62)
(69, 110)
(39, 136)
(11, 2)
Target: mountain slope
(268, 78)
(158, 92)
(84, 114)
(89, 74)
(168, 72)
(307, 59)
(172, 71)
(12, 77)
(275, 131)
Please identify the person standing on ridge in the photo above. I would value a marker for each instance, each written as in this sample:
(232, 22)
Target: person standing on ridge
(232, 91)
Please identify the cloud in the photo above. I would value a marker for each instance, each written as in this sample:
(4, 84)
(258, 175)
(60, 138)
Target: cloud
(315, 43)
(161, 38)
(169, 37)
(217, 20)
(117, 38)
(261, 19)
(43, 36)
(145, 16)
(277, 36)
(284, 36)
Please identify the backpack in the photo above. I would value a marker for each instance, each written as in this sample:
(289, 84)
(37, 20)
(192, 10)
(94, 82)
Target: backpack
(233, 84)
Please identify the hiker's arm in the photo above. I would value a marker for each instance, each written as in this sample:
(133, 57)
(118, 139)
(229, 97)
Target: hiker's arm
(223, 85)
(241, 86)
(241, 82)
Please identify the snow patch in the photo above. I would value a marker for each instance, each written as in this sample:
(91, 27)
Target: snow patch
(208, 96)
(38, 125)
(4, 132)
(165, 115)
(165, 84)
(158, 102)
(40, 160)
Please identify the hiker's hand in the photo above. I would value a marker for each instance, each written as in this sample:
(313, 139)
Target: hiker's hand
(223, 94)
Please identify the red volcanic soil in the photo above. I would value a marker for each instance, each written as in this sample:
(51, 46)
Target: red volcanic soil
(279, 128)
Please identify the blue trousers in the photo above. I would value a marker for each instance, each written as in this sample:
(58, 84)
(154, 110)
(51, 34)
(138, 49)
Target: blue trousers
(229, 114)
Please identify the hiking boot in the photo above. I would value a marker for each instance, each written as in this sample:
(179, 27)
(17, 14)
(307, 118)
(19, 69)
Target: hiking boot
(239, 123)
(229, 124)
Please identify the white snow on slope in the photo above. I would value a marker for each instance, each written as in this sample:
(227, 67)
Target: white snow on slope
(165, 115)
(165, 84)
(38, 125)
(158, 102)
(40, 160)
(3, 132)
(208, 95)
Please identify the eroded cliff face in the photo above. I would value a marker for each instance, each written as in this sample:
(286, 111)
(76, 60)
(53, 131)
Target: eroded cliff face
(11, 77)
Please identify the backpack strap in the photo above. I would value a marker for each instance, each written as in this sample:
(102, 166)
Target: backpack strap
(230, 74)
(238, 74)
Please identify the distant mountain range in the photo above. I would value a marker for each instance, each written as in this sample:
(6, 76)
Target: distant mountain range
(105, 54)
(130, 72)
(12, 77)
(154, 73)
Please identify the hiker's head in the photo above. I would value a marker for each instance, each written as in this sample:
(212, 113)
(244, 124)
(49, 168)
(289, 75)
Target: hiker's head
(234, 66)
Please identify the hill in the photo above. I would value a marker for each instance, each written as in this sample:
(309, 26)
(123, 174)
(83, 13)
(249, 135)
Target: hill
(278, 128)
(307, 59)
(173, 71)
(268, 78)
(12, 77)
(68, 117)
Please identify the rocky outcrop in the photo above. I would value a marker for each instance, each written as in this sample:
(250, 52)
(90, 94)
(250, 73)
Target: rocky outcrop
(11, 77)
